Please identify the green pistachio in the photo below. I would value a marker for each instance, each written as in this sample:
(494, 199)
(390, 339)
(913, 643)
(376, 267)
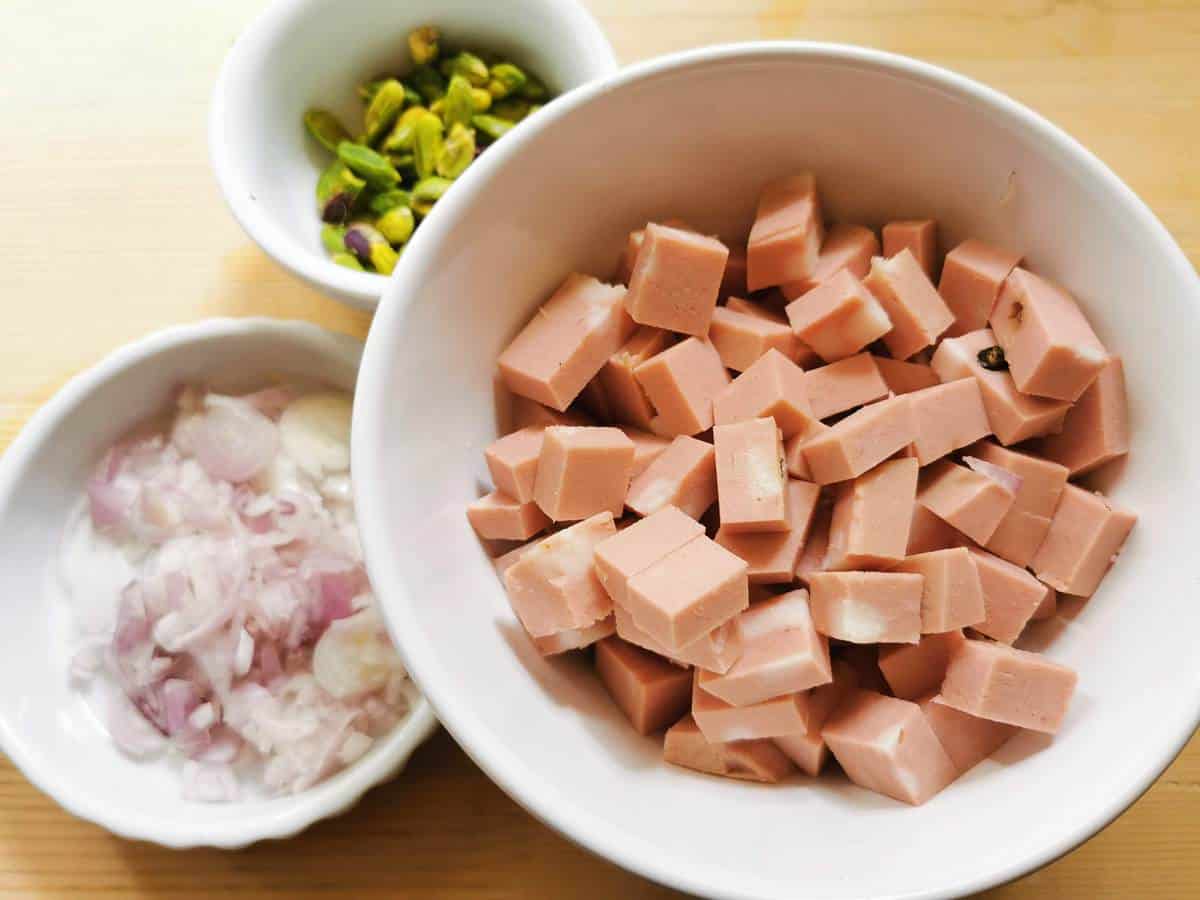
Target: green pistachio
(401, 137)
(370, 247)
(389, 200)
(337, 190)
(372, 167)
(511, 109)
(366, 90)
(481, 100)
(426, 81)
(427, 144)
(534, 88)
(411, 97)
(506, 79)
(396, 224)
(491, 126)
(423, 44)
(468, 65)
(332, 238)
(427, 192)
(458, 151)
(349, 260)
(325, 127)
(459, 104)
(384, 109)
(438, 107)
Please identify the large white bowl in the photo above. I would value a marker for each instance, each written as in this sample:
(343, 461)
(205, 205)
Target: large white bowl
(46, 726)
(304, 53)
(695, 135)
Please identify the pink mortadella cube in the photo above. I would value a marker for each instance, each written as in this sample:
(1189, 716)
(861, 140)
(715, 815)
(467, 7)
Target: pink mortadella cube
(528, 413)
(680, 383)
(773, 386)
(917, 312)
(684, 476)
(1012, 415)
(1085, 536)
(772, 555)
(688, 592)
(968, 740)
(848, 247)
(845, 384)
(575, 638)
(885, 745)
(917, 236)
(676, 280)
(647, 447)
(949, 416)
(1022, 531)
(1003, 684)
(759, 760)
(751, 479)
(498, 516)
(741, 338)
(812, 556)
(1048, 608)
(867, 607)
(721, 722)
(512, 461)
(807, 749)
(861, 441)
(641, 545)
(782, 653)
(968, 500)
(798, 352)
(629, 255)
(594, 401)
(1011, 596)
(928, 532)
(1096, 430)
(838, 317)
(506, 561)
(905, 377)
(972, 275)
(627, 403)
(715, 651)
(793, 452)
(871, 517)
(583, 471)
(1050, 347)
(553, 586)
(651, 692)
(953, 593)
(785, 239)
(914, 670)
(567, 341)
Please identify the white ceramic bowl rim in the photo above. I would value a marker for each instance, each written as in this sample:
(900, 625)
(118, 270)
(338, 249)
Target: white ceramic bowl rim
(367, 286)
(528, 788)
(327, 798)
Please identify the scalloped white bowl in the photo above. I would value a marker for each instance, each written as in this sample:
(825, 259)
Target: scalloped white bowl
(695, 135)
(46, 727)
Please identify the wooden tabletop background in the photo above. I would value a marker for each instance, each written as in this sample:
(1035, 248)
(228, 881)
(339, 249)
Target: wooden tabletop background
(111, 225)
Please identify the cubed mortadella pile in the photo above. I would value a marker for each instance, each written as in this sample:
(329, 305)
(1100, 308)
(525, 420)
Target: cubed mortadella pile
(801, 495)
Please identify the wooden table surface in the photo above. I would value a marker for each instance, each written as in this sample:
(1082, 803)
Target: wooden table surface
(111, 225)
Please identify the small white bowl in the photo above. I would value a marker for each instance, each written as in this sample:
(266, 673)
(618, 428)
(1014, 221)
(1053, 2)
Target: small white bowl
(887, 137)
(314, 53)
(46, 727)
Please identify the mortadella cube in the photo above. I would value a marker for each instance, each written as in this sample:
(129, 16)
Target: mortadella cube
(651, 692)
(905, 377)
(647, 447)
(807, 749)
(838, 317)
(972, 275)
(638, 547)
(772, 555)
(968, 740)
(1013, 416)
(685, 476)
(1096, 430)
(758, 760)
(928, 532)
(567, 342)
(949, 416)
(861, 441)
(627, 403)
(867, 607)
(774, 387)
(676, 280)
(751, 478)
(1022, 531)
(512, 461)
(812, 556)
(629, 255)
(916, 310)
(720, 721)
(848, 247)
(871, 517)
(782, 653)
(1050, 347)
(715, 651)
(1085, 536)
(793, 452)
(498, 516)
(845, 384)
(798, 352)
(680, 383)
(914, 670)
(968, 500)
(918, 236)
(742, 338)
(953, 594)
(885, 745)
(785, 240)
(1011, 596)
(1003, 684)
(582, 471)
(528, 413)
(575, 638)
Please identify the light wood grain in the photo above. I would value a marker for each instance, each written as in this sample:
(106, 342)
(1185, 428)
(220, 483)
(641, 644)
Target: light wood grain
(111, 226)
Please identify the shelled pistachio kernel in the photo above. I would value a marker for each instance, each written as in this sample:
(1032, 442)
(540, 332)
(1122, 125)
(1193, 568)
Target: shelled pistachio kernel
(333, 238)
(397, 224)
(349, 260)
(370, 247)
(401, 137)
(458, 151)
(338, 190)
(424, 44)
(458, 105)
(468, 65)
(372, 167)
(326, 128)
(427, 192)
(388, 200)
(383, 110)
(427, 144)
(505, 79)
